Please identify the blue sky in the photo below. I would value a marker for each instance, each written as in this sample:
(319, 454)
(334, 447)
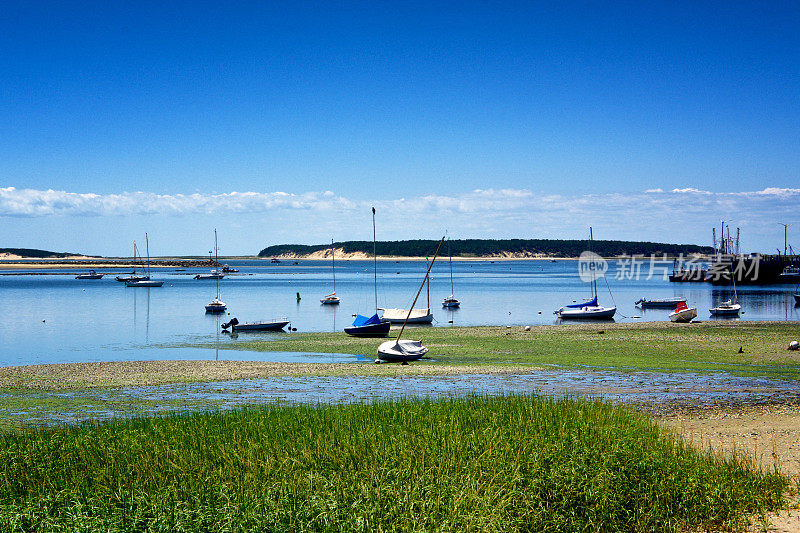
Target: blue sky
(527, 119)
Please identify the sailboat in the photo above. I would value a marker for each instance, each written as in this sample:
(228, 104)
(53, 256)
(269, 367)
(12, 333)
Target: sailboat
(372, 326)
(683, 313)
(402, 351)
(332, 299)
(729, 308)
(451, 300)
(412, 316)
(132, 276)
(216, 305)
(588, 309)
(145, 282)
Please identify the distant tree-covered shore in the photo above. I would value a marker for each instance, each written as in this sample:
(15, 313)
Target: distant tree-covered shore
(34, 253)
(492, 248)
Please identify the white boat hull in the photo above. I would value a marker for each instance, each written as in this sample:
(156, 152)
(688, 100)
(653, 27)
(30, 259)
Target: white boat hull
(402, 350)
(398, 316)
(726, 309)
(685, 315)
(586, 312)
(144, 283)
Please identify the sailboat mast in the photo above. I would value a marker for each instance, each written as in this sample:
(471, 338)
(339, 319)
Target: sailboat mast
(134, 257)
(450, 253)
(375, 260)
(216, 259)
(333, 266)
(594, 274)
(147, 247)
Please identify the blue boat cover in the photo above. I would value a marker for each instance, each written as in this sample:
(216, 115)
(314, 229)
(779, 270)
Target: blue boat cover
(590, 303)
(361, 320)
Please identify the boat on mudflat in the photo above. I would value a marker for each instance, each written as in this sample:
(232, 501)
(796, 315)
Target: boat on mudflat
(368, 327)
(683, 313)
(262, 325)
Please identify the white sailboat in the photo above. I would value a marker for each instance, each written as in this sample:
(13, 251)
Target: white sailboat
(402, 351)
(216, 305)
(145, 282)
(728, 308)
(332, 299)
(450, 301)
(589, 309)
(411, 316)
(132, 276)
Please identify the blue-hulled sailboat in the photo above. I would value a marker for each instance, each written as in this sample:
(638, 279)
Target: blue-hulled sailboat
(370, 326)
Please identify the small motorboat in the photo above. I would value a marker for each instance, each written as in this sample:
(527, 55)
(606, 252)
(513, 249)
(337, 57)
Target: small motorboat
(228, 270)
(450, 301)
(368, 327)
(401, 351)
(214, 274)
(727, 308)
(132, 277)
(275, 260)
(144, 283)
(264, 325)
(216, 306)
(683, 313)
(90, 275)
(667, 303)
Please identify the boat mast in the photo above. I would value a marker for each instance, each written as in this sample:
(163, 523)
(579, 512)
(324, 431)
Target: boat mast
(375, 260)
(216, 260)
(147, 247)
(594, 274)
(419, 291)
(134, 257)
(333, 266)
(450, 253)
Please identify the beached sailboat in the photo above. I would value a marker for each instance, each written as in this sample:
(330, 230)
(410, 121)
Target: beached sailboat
(589, 309)
(133, 276)
(216, 305)
(683, 313)
(451, 300)
(145, 282)
(332, 299)
(370, 326)
(402, 351)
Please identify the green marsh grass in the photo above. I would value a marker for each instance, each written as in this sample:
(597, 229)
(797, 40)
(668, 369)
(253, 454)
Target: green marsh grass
(518, 463)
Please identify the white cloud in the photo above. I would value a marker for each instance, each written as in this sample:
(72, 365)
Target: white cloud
(679, 215)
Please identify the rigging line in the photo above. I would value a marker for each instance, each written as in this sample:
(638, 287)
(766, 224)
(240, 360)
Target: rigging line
(612, 297)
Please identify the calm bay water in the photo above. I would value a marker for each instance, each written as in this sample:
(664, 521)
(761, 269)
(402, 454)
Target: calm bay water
(54, 318)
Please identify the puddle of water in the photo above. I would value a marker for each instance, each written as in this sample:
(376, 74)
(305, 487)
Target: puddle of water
(650, 388)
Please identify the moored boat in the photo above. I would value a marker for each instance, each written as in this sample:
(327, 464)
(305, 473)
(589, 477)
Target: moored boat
(144, 283)
(90, 275)
(216, 305)
(683, 313)
(403, 351)
(589, 309)
(370, 326)
(262, 325)
(332, 299)
(412, 316)
(727, 308)
(660, 302)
